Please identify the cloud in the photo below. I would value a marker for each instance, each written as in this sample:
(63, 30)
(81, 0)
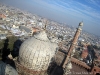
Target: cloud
(95, 2)
(68, 11)
(74, 7)
(77, 11)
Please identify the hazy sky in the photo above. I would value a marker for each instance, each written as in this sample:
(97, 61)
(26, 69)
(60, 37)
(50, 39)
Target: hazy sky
(66, 11)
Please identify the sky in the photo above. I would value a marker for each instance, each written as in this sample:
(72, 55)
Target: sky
(70, 12)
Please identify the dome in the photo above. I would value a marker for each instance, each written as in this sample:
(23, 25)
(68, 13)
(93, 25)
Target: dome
(69, 66)
(36, 52)
(9, 70)
(54, 40)
(81, 24)
(6, 69)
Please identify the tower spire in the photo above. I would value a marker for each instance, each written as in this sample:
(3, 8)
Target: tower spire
(74, 42)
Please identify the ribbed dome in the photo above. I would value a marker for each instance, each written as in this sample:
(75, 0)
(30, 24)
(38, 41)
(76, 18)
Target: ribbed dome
(36, 52)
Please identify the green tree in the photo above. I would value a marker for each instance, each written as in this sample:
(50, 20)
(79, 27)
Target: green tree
(11, 39)
(1, 44)
(77, 55)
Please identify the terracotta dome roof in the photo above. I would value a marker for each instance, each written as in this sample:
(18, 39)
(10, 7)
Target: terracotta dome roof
(36, 52)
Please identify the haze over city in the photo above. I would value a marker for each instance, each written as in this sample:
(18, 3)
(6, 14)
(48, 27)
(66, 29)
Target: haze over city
(49, 37)
(70, 12)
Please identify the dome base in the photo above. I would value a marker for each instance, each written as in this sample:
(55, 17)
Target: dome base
(25, 71)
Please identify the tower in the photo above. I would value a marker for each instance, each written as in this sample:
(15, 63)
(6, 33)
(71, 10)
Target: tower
(74, 42)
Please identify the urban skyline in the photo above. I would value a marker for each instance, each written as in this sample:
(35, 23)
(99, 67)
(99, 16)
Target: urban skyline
(40, 46)
(65, 11)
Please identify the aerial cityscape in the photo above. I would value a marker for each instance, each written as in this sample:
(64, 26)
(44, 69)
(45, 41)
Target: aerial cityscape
(31, 44)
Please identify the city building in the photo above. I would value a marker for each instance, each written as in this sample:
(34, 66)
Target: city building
(2, 16)
(27, 31)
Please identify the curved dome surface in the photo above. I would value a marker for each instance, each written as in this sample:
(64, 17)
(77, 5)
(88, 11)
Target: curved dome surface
(36, 52)
(6, 69)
